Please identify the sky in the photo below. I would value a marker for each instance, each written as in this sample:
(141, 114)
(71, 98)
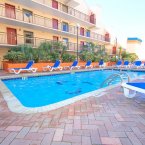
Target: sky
(123, 18)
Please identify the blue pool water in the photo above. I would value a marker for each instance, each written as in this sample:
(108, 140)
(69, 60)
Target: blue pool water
(45, 90)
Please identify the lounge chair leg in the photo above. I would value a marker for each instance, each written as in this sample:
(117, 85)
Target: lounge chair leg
(17, 72)
(34, 70)
(127, 94)
(51, 69)
(71, 68)
(60, 68)
(44, 69)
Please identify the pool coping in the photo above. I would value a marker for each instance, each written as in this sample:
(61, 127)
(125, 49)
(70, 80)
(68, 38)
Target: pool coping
(15, 105)
(50, 73)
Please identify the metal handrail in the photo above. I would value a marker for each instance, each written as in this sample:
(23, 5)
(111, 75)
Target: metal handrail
(113, 77)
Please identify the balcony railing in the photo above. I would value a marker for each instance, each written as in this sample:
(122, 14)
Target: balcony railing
(48, 23)
(69, 10)
(15, 40)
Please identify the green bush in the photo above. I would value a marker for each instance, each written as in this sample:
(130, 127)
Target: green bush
(113, 59)
(35, 55)
(129, 56)
(106, 58)
(54, 56)
(15, 56)
(68, 57)
(25, 50)
(133, 57)
(44, 57)
(46, 47)
(85, 56)
(96, 58)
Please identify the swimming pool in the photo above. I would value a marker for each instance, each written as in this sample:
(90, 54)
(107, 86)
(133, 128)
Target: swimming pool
(41, 91)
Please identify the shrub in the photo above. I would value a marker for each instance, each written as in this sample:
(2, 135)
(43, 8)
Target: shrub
(68, 57)
(44, 56)
(15, 56)
(106, 58)
(113, 59)
(129, 56)
(133, 57)
(26, 50)
(54, 56)
(96, 58)
(35, 55)
(46, 47)
(85, 56)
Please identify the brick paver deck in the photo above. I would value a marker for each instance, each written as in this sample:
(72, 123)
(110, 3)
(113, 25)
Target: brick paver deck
(111, 119)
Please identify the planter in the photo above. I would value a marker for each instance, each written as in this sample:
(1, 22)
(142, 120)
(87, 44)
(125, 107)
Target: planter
(40, 65)
(111, 63)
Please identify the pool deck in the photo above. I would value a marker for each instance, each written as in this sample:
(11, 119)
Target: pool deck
(110, 119)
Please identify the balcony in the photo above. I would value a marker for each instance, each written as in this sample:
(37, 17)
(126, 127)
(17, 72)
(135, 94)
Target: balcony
(10, 40)
(34, 21)
(60, 10)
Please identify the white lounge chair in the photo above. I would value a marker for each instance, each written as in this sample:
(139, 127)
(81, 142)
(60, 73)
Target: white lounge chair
(28, 68)
(87, 65)
(74, 65)
(101, 64)
(118, 64)
(135, 87)
(126, 64)
(56, 66)
(137, 64)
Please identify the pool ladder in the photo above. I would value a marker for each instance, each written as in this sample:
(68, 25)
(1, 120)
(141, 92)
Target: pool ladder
(123, 76)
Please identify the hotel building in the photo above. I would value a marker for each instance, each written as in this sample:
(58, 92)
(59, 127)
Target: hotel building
(35, 21)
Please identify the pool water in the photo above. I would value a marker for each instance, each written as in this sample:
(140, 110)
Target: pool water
(44, 90)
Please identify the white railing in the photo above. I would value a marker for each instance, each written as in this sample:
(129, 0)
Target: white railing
(47, 23)
(67, 9)
(14, 40)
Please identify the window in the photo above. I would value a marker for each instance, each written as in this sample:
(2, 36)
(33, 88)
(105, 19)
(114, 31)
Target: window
(88, 33)
(65, 8)
(28, 37)
(114, 50)
(82, 31)
(55, 38)
(66, 42)
(65, 26)
(55, 4)
(10, 11)
(107, 37)
(55, 23)
(11, 36)
(82, 43)
(27, 16)
(92, 19)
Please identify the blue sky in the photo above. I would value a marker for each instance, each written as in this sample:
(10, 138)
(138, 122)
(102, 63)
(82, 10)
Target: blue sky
(124, 18)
